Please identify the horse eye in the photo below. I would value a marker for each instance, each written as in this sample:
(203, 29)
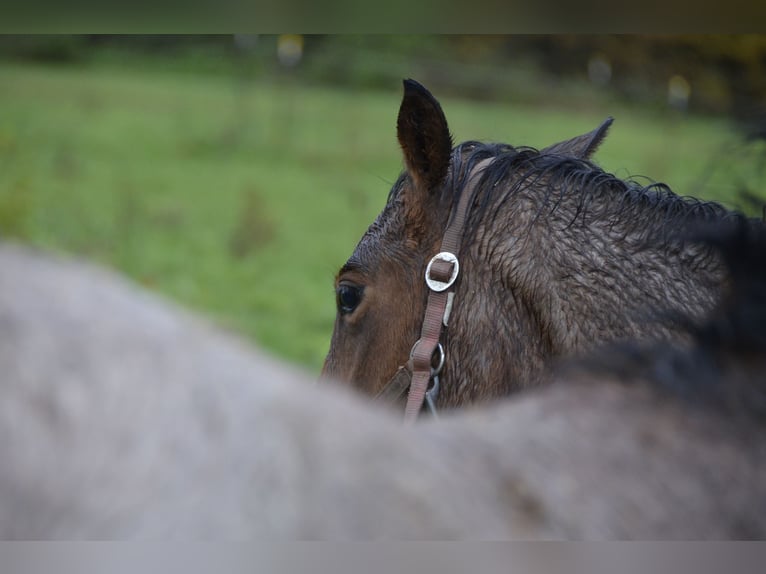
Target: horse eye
(349, 297)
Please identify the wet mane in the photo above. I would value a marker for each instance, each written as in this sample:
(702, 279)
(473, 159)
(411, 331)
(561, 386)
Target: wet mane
(516, 169)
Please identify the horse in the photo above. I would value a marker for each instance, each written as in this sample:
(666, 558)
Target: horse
(125, 417)
(555, 257)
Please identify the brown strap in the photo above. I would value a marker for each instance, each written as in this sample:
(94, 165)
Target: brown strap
(396, 388)
(437, 300)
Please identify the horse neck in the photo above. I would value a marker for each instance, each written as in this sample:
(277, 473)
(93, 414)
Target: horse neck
(535, 288)
(602, 279)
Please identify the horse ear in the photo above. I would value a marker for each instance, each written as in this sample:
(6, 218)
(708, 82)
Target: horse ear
(583, 146)
(424, 136)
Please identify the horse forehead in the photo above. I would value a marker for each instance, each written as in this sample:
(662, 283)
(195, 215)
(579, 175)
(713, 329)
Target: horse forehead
(388, 225)
(384, 240)
(367, 251)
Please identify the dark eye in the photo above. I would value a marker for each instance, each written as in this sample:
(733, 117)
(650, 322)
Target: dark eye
(349, 297)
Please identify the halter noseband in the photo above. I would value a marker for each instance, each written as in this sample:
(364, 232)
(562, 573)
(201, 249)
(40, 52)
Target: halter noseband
(441, 274)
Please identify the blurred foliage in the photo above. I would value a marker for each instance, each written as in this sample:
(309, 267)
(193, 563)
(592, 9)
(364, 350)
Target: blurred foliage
(726, 73)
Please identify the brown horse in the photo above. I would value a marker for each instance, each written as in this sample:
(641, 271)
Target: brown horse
(557, 257)
(123, 417)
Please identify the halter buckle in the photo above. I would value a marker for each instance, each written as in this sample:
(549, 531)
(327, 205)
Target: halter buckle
(435, 284)
(431, 395)
(439, 363)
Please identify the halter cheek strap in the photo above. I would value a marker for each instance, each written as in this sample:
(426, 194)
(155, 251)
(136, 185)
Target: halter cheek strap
(441, 273)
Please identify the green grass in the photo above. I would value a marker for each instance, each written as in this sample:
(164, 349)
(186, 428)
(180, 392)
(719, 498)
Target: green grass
(241, 200)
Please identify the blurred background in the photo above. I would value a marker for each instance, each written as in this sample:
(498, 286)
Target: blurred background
(235, 174)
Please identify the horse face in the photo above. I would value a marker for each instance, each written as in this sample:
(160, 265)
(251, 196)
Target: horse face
(379, 310)
(380, 291)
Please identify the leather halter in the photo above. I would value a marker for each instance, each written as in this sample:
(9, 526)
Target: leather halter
(440, 276)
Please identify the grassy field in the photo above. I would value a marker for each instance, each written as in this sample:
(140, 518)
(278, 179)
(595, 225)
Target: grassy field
(241, 199)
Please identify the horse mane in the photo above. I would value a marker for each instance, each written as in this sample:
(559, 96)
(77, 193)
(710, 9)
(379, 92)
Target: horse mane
(722, 367)
(516, 169)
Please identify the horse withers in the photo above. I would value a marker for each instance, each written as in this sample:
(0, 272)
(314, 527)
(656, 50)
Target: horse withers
(555, 257)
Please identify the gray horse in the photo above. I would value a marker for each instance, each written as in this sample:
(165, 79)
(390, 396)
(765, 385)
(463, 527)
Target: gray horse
(124, 417)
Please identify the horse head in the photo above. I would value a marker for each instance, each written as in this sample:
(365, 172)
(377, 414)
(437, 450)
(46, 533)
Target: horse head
(537, 279)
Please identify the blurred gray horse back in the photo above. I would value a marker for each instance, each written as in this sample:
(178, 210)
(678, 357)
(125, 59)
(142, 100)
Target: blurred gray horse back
(123, 416)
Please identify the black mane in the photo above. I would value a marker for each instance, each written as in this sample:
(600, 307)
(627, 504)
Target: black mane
(515, 169)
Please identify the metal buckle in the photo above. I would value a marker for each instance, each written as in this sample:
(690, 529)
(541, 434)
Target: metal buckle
(431, 395)
(440, 364)
(436, 285)
(433, 391)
